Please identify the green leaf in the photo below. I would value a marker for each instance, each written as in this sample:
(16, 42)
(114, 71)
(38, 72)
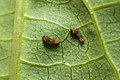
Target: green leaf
(24, 56)
(6, 30)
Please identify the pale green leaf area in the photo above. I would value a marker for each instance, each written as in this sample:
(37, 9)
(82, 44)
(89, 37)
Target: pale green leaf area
(6, 30)
(24, 56)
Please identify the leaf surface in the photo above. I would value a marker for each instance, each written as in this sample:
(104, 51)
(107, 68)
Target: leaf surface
(24, 56)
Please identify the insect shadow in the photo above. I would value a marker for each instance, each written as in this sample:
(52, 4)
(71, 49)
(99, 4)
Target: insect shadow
(50, 46)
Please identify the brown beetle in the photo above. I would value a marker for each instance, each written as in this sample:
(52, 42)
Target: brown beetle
(76, 33)
(48, 40)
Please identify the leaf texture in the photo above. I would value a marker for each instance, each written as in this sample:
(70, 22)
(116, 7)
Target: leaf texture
(24, 56)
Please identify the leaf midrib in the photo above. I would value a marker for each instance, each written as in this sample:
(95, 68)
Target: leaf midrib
(17, 38)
